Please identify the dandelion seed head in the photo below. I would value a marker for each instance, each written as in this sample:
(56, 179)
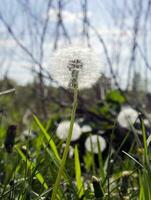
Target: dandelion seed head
(127, 117)
(80, 120)
(138, 125)
(100, 132)
(75, 65)
(28, 134)
(147, 122)
(27, 117)
(95, 139)
(71, 150)
(63, 128)
(86, 128)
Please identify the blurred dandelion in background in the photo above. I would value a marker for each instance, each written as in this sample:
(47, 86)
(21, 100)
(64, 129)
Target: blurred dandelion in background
(71, 150)
(127, 117)
(86, 128)
(28, 134)
(63, 129)
(94, 139)
(75, 64)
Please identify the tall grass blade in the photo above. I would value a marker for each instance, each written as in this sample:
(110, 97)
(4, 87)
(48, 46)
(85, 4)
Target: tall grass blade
(49, 139)
(32, 166)
(78, 172)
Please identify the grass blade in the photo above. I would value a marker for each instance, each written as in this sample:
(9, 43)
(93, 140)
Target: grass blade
(78, 172)
(133, 159)
(49, 139)
(31, 166)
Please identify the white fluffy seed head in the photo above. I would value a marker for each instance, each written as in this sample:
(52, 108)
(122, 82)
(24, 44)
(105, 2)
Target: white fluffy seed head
(94, 139)
(127, 117)
(69, 64)
(146, 122)
(86, 128)
(63, 128)
(28, 134)
(71, 150)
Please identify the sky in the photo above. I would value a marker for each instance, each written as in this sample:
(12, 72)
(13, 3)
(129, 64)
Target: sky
(113, 20)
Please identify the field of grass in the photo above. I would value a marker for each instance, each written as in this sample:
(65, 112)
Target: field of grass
(29, 161)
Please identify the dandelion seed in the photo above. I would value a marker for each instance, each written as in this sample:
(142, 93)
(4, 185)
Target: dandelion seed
(75, 66)
(95, 139)
(127, 117)
(63, 128)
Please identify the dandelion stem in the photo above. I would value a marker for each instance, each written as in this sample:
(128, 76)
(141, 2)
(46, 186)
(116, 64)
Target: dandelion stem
(63, 161)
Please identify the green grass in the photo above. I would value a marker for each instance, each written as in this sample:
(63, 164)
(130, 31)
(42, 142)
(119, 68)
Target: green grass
(30, 170)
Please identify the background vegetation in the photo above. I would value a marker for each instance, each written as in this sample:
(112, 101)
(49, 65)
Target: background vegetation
(30, 160)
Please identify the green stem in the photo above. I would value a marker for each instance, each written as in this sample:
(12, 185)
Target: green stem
(65, 153)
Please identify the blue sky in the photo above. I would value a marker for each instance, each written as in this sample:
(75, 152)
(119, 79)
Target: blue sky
(105, 15)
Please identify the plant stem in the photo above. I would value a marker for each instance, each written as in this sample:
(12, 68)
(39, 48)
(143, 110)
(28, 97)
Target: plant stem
(65, 153)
